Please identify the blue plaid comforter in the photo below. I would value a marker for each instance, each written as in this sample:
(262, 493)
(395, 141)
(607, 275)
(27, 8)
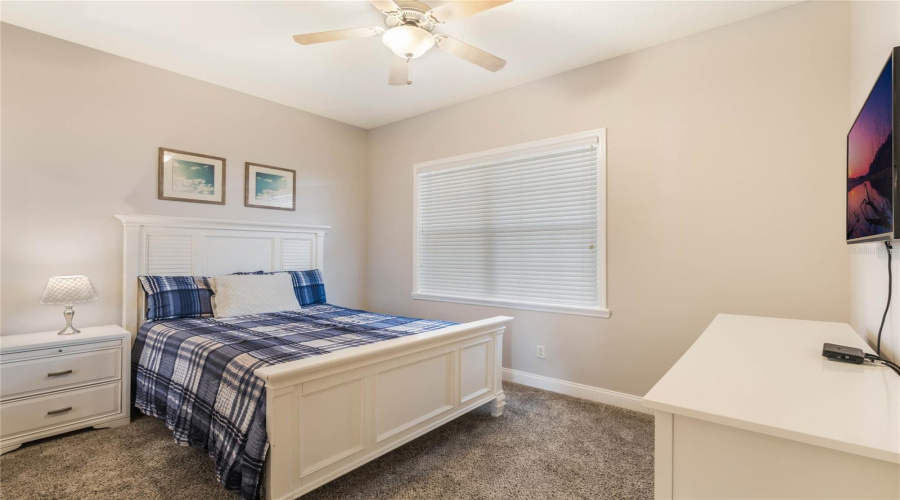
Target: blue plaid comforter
(197, 374)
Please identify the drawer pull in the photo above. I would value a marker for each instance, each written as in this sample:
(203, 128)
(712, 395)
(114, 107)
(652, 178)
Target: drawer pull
(57, 374)
(61, 410)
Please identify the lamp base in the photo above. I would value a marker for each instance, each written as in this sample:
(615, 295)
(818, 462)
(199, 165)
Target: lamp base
(68, 330)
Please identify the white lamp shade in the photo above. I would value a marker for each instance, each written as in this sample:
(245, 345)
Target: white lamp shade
(68, 290)
(408, 42)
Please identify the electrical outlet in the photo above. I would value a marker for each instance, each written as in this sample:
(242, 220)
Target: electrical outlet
(541, 352)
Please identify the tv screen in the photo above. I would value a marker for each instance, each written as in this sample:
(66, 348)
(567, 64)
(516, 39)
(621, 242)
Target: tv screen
(870, 158)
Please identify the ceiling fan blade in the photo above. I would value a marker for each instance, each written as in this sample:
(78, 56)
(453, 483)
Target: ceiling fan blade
(399, 72)
(465, 51)
(451, 11)
(385, 6)
(333, 36)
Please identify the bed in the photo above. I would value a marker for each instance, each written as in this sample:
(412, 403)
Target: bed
(333, 387)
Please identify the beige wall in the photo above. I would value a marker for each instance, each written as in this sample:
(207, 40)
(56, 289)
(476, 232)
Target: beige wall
(725, 189)
(81, 130)
(874, 31)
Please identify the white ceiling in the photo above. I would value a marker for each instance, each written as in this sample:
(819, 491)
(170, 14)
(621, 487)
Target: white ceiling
(247, 46)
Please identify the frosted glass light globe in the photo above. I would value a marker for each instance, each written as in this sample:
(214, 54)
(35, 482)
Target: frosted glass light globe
(408, 42)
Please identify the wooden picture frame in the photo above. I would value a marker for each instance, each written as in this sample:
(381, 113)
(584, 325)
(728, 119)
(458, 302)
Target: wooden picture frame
(275, 197)
(191, 177)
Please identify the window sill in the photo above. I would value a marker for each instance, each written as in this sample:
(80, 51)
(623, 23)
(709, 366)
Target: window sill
(596, 312)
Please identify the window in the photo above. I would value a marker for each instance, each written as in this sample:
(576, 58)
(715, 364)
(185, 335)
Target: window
(521, 227)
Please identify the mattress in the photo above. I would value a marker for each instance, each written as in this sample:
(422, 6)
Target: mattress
(197, 374)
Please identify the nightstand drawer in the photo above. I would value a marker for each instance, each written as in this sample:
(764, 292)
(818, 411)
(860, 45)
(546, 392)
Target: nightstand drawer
(61, 408)
(56, 372)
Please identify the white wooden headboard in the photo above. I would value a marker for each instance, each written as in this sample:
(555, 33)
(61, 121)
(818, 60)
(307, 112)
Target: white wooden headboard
(178, 246)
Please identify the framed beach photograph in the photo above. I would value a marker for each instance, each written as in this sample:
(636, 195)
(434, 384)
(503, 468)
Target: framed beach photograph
(191, 177)
(269, 187)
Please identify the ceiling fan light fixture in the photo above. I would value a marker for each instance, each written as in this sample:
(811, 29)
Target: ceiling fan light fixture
(409, 24)
(408, 42)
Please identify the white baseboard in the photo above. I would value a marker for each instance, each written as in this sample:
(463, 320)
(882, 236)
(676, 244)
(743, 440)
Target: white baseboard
(605, 396)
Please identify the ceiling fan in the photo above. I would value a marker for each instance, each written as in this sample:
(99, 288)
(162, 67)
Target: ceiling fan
(407, 32)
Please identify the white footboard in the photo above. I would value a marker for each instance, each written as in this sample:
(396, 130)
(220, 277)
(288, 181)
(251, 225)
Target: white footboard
(329, 414)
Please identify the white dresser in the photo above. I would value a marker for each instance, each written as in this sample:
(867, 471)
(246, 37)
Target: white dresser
(753, 410)
(50, 384)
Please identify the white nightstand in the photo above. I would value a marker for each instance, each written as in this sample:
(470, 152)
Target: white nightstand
(50, 384)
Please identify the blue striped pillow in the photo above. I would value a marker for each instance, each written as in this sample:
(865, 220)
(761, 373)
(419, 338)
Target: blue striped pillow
(171, 297)
(309, 287)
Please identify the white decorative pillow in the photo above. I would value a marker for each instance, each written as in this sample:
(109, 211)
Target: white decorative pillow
(240, 295)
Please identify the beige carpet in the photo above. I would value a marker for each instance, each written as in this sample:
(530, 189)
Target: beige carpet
(545, 446)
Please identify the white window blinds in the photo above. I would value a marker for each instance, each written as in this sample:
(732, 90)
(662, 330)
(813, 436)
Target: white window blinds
(520, 227)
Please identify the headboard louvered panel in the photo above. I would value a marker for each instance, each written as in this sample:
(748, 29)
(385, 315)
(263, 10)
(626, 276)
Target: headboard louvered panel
(177, 246)
(169, 255)
(297, 255)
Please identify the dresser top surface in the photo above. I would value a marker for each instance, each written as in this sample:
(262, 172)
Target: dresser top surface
(768, 375)
(12, 343)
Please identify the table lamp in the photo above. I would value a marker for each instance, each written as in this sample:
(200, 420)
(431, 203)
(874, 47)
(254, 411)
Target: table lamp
(67, 291)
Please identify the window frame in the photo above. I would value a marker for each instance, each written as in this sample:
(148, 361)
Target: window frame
(601, 310)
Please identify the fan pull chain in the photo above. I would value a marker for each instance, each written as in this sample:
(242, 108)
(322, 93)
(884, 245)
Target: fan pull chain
(409, 71)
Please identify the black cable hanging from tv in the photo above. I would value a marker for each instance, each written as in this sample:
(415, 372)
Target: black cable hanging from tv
(888, 246)
(876, 358)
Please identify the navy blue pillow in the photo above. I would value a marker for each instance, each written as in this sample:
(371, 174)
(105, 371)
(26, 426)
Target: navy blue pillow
(171, 297)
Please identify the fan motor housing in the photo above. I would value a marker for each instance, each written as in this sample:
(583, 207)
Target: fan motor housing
(413, 13)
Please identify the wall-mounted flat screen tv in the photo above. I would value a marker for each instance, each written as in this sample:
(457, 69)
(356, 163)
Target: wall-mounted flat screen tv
(872, 151)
